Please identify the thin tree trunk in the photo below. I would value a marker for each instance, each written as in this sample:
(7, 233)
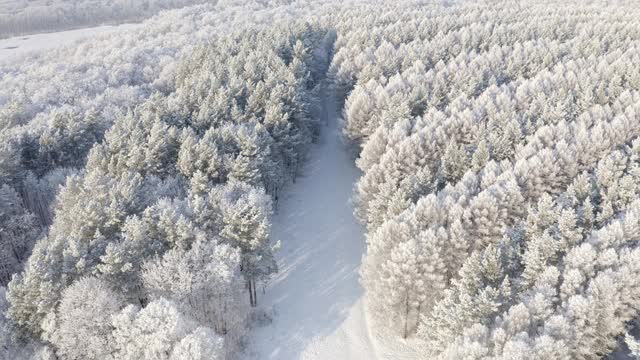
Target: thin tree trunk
(406, 315)
(255, 295)
(418, 316)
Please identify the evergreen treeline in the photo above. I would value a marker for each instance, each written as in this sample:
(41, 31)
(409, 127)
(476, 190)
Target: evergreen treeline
(499, 144)
(159, 235)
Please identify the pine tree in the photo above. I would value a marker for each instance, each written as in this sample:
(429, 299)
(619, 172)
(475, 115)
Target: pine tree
(81, 327)
(480, 156)
(454, 163)
(203, 282)
(158, 331)
(245, 213)
(19, 233)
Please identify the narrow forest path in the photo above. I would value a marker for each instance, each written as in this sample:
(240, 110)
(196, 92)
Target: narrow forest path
(316, 297)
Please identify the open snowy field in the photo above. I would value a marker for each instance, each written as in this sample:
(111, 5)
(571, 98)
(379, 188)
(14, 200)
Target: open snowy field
(16, 47)
(23, 17)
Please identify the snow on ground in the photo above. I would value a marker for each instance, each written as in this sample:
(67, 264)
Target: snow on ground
(316, 299)
(12, 48)
(316, 292)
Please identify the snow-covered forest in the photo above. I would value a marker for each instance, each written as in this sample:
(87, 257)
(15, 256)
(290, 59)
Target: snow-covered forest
(499, 146)
(141, 172)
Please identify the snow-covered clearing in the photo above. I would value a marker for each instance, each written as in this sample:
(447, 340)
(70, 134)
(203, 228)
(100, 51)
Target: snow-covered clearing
(12, 48)
(316, 297)
(317, 301)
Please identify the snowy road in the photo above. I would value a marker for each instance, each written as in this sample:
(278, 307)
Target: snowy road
(316, 296)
